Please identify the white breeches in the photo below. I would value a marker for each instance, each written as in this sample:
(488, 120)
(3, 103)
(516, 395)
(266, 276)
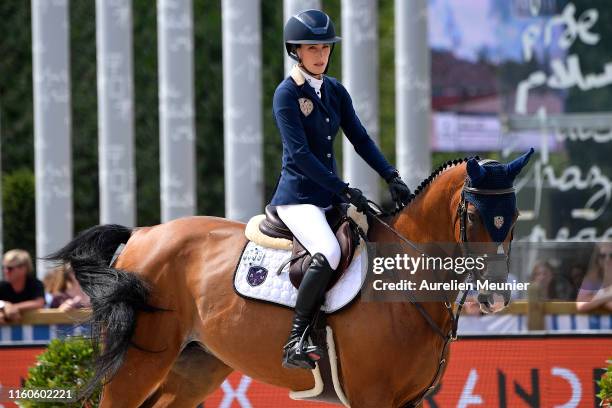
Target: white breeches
(308, 224)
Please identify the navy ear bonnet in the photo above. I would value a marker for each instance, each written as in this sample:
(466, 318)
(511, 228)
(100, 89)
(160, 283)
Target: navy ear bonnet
(496, 211)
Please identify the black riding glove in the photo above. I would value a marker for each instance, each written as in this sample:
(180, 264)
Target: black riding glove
(400, 193)
(356, 197)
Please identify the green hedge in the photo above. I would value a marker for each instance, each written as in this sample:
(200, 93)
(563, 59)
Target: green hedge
(605, 386)
(66, 364)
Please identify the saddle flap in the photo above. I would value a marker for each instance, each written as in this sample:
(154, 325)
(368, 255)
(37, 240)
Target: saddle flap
(348, 238)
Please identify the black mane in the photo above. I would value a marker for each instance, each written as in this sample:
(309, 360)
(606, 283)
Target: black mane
(432, 176)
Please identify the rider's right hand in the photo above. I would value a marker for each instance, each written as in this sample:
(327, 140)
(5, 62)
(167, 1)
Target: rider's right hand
(356, 197)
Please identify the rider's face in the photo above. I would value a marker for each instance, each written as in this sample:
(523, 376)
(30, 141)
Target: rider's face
(314, 57)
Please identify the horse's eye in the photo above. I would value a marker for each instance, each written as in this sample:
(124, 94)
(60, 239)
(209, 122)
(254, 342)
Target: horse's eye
(471, 217)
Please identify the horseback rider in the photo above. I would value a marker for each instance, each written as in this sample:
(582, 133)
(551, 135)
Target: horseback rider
(309, 107)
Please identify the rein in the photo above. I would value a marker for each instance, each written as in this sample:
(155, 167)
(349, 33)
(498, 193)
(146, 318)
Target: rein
(453, 314)
(447, 338)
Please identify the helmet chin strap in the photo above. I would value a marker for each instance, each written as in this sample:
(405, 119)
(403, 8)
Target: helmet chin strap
(318, 76)
(331, 51)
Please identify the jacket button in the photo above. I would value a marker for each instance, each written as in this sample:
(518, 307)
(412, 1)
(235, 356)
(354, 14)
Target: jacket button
(327, 120)
(328, 137)
(328, 154)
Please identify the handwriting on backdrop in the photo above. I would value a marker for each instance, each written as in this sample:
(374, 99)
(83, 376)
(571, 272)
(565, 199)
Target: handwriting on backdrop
(565, 74)
(581, 134)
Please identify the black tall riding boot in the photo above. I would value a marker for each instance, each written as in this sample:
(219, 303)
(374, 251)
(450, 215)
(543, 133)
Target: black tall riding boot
(298, 353)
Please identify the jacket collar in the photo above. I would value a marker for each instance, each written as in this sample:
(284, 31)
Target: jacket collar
(297, 76)
(300, 81)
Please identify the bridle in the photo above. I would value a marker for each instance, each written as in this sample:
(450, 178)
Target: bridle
(451, 335)
(501, 256)
(462, 208)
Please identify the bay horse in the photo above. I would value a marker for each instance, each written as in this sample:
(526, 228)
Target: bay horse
(172, 327)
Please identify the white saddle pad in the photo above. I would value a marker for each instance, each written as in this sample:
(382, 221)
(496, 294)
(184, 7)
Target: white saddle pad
(256, 278)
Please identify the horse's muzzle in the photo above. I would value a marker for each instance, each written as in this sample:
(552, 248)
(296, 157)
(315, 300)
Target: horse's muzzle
(494, 300)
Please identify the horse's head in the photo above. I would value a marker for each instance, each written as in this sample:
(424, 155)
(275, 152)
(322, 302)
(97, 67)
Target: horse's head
(487, 214)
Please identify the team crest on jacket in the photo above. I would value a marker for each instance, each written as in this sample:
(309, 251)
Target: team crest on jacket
(498, 221)
(306, 106)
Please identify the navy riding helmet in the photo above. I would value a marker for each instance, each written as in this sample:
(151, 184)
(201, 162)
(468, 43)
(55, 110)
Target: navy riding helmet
(309, 27)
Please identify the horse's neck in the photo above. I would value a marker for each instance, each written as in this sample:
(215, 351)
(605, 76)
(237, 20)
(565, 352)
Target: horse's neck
(431, 216)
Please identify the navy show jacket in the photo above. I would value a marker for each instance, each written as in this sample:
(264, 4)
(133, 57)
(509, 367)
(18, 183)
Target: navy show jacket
(308, 126)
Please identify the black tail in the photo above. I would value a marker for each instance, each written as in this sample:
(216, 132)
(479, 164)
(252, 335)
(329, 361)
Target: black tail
(116, 295)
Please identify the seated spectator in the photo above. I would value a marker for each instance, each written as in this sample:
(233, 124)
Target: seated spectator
(48, 283)
(570, 280)
(20, 291)
(543, 277)
(596, 289)
(65, 291)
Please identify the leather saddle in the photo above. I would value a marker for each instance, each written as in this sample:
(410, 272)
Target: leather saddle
(345, 229)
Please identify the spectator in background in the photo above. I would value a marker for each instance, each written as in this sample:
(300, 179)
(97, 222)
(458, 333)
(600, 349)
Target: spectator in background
(596, 289)
(48, 283)
(65, 291)
(20, 291)
(543, 276)
(570, 280)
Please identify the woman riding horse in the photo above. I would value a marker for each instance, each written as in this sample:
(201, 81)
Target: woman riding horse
(168, 326)
(309, 107)
(171, 327)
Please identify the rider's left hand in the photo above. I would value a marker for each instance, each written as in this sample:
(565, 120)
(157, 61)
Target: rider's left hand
(400, 193)
(356, 197)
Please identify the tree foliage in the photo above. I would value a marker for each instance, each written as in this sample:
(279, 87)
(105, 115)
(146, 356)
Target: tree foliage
(16, 102)
(18, 207)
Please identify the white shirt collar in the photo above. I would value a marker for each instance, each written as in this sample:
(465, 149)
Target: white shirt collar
(313, 82)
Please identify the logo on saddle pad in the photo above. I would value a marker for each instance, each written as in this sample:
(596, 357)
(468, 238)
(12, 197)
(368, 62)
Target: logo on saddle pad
(498, 221)
(306, 106)
(256, 275)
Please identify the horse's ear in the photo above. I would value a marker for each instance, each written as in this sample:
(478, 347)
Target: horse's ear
(516, 165)
(475, 171)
